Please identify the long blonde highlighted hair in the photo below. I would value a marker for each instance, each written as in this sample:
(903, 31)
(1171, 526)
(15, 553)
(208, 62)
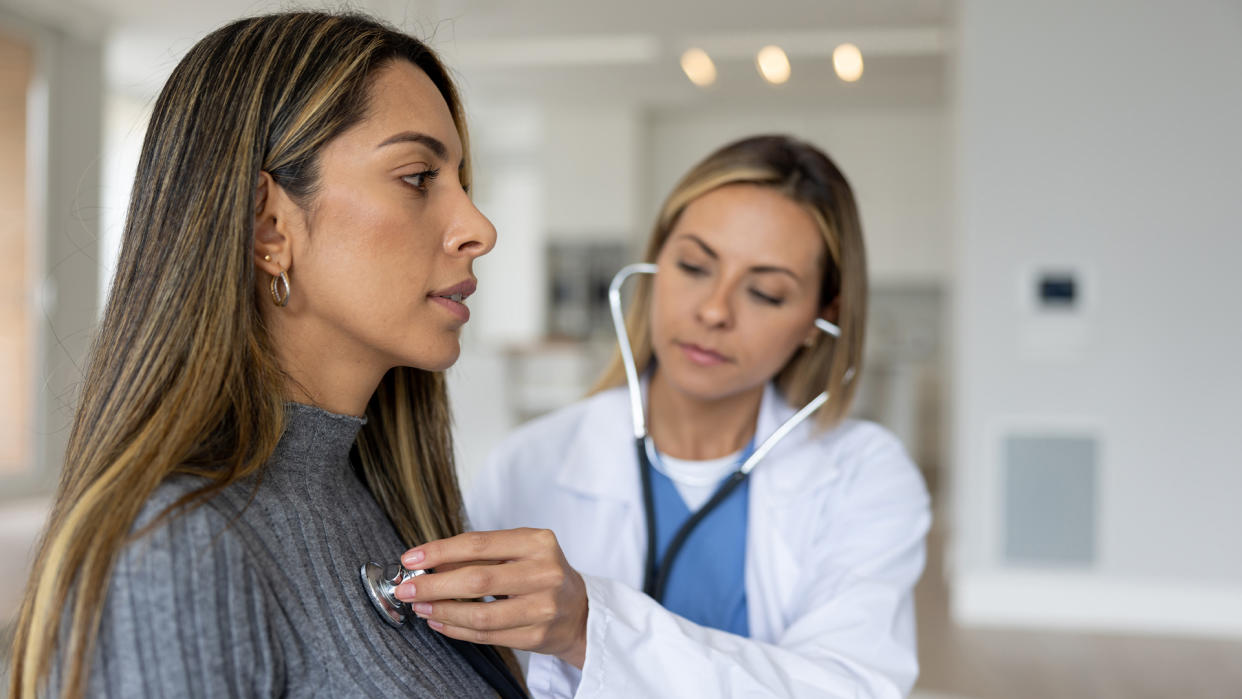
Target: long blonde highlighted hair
(181, 378)
(809, 178)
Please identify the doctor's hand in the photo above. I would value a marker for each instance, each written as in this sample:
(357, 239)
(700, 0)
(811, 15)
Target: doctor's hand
(542, 605)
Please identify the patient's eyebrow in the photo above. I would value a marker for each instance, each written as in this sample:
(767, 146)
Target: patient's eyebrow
(433, 144)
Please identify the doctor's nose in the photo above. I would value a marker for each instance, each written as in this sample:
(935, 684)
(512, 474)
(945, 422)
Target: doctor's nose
(715, 310)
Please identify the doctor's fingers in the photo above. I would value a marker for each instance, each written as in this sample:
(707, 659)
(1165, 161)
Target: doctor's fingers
(515, 613)
(532, 638)
(512, 578)
(500, 545)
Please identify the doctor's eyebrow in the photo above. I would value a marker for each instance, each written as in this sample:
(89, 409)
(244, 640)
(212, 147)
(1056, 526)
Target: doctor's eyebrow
(762, 269)
(431, 143)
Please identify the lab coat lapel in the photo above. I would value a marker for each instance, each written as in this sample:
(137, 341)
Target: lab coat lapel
(791, 471)
(600, 457)
(600, 466)
(785, 487)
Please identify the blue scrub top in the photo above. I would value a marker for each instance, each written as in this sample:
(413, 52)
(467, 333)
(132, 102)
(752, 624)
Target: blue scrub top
(708, 580)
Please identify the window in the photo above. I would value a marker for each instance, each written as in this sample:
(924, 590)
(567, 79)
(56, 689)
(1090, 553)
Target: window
(17, 342)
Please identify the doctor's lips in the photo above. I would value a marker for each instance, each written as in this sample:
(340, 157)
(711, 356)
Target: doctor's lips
(452, 298)
(701, 355)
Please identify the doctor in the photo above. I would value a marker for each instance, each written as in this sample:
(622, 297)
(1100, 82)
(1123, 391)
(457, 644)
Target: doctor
(800, 582)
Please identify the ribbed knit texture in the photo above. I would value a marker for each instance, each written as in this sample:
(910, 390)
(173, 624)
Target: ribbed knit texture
(264, 599)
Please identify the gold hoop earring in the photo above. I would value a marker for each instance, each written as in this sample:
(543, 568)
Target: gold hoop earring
(278, 297)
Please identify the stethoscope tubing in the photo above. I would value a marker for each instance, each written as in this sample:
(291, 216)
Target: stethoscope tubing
(637, 415)
(655, 578)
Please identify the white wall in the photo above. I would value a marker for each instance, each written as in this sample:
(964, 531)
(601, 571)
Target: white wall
(64, 147)
(895, 158)
(63, 150)
(1104, 137)
(591, 171)
(125, 120)
(75, 107)
(544, 170)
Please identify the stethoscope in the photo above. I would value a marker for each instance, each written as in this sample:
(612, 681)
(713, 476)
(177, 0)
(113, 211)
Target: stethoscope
(380, 583)
(656, 573)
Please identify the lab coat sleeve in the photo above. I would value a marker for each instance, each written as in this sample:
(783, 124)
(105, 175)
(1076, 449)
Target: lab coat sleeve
(852, 637)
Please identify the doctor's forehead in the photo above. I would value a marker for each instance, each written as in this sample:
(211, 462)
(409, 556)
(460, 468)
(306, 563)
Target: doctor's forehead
(751, 221)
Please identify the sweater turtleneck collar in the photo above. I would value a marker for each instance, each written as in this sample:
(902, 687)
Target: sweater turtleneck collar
(315, 443)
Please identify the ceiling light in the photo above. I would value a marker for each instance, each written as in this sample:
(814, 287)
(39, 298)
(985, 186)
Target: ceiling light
(847, 61)
(773, 64)
(698, 67)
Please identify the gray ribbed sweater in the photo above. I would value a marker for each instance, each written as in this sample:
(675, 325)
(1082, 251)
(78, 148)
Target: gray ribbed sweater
(269, 603)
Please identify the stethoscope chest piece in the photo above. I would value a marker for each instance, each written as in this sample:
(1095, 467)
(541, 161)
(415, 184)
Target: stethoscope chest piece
(381, 583)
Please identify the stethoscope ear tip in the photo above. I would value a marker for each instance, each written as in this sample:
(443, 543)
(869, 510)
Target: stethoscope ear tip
(830, 328)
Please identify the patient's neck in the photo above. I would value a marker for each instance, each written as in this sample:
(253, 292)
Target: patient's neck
(686, 426)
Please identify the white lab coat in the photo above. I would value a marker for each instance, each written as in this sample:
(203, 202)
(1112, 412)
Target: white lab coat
(835, 544)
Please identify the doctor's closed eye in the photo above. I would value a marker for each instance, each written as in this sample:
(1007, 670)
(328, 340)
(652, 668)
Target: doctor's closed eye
(691, 269)
(696, 270)
(770, 299)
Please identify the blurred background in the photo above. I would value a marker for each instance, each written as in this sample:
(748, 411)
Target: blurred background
(1051, 194)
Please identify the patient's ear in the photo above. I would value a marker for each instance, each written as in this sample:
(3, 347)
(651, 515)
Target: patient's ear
(274, 211)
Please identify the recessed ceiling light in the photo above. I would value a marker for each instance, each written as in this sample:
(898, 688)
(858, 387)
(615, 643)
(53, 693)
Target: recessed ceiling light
(698, 67)
(773, 64)
(847, 61)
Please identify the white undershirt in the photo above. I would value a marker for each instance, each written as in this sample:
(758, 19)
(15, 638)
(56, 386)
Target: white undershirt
(696, 481)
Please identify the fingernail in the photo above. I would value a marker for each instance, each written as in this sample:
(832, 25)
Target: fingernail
(435, 625)
(412, 559)
(422, 608)
(405, 591)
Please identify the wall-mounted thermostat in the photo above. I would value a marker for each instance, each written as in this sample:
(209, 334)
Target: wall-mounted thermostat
(1057, 290)
(1054, 319)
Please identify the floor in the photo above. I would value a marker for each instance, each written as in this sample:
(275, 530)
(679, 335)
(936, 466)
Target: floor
(20, 523)
(1024, 664)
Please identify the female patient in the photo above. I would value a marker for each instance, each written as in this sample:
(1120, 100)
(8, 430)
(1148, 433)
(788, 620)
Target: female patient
(262, 411)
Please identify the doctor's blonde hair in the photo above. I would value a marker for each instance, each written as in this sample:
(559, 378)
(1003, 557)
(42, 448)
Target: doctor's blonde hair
(809, 178)
(181, 378)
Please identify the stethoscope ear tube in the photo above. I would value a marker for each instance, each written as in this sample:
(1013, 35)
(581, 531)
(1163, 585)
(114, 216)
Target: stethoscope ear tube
(623, 342)
(785, 428)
